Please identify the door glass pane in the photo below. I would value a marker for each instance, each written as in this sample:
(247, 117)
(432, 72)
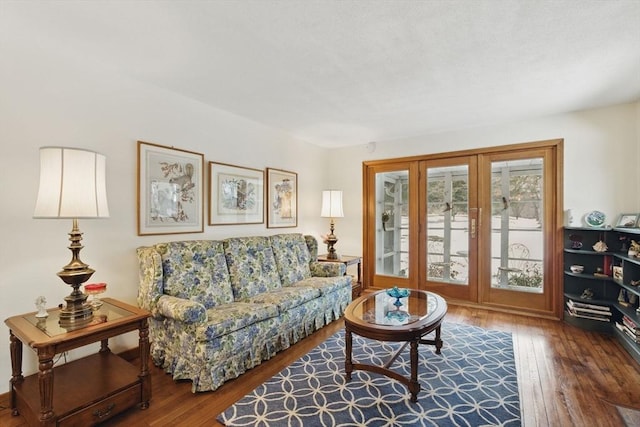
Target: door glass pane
(447, 224)
(517, 241)
(392, 223)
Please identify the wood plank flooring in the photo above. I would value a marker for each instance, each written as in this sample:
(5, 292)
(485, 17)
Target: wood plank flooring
(567, 377)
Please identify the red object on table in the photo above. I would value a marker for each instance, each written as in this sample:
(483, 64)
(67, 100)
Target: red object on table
(95, 287)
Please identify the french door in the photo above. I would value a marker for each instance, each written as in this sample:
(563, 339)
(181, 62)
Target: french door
(478, 226)
(449, 233)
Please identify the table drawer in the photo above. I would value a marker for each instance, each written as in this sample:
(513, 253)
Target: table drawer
(104, 409)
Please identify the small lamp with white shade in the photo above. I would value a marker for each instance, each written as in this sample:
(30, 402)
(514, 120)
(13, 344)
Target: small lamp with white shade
(332, 208)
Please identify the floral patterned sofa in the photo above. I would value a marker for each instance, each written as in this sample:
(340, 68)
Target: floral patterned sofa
(220, 308)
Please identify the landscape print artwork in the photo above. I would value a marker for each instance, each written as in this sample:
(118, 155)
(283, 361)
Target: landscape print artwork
(170, 190)
(236, 195)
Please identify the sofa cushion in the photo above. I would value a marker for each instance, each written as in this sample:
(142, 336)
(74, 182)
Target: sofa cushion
(196, 270)
(228, 318)
(292, 257)
(252, 266)
(325, 285)
(287, 298)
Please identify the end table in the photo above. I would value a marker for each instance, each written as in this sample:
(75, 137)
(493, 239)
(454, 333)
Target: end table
(87, 390)
(356, 287)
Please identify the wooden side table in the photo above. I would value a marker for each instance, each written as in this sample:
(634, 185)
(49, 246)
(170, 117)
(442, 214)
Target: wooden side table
(88, 390)
(356, 287)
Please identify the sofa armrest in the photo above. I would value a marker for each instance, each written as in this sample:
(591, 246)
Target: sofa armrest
(327, 269)
(150, 287)
(183, 310)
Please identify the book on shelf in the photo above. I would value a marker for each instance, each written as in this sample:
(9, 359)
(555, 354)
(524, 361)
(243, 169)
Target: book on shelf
(582, 305)
(633, 336)
(603, 317)
(626, 321)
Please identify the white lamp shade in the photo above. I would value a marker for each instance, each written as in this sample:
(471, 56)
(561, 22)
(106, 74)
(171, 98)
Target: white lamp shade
(332, 204)
(72, 184)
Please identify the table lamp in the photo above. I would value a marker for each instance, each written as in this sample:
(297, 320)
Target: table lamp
(331, 208)
(73, 186)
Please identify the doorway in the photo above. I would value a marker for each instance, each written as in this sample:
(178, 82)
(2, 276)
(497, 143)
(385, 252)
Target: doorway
(478, 227)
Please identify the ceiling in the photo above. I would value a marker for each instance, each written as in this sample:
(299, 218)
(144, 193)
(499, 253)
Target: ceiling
(338, 73)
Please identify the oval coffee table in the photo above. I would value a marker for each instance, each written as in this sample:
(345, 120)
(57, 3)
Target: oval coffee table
(375, 316)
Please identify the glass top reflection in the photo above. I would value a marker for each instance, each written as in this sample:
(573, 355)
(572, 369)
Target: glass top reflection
(50, 325)
(385, 310)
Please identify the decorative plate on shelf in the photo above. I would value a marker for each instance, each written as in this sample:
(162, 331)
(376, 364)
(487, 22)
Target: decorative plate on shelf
(595, 219)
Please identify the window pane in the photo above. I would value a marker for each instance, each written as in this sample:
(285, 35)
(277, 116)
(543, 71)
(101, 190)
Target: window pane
(447, 224)
(392, 223)
(517, 241)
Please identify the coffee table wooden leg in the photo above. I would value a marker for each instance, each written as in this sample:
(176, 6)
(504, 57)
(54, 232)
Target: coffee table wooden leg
(414, 385)
(348, 364)
(438, 340)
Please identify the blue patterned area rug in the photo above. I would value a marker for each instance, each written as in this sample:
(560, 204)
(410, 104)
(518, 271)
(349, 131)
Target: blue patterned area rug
(472, 383)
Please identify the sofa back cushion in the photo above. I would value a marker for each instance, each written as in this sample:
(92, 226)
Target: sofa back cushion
(252, 266)
(196, 270)
(292, 257)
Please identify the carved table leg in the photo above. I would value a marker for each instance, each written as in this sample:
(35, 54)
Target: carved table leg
(414, 385)
(104, 346)
(348, 364)
(145, 376)
(438, 340)
(16, 368)
(45, 378)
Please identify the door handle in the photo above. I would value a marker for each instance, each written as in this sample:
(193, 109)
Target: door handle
(473, 216)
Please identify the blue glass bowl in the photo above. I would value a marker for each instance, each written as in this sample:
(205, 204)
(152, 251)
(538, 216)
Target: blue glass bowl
(396, 292)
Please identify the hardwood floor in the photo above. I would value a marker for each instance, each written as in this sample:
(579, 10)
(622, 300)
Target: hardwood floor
(567, 377)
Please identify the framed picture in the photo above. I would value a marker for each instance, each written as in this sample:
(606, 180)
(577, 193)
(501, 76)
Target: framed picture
(170, 190)
(617, 273)
(282, 198)
(236, 195)
(628, 220)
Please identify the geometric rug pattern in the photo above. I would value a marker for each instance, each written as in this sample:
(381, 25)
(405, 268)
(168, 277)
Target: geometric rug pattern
(473, 382)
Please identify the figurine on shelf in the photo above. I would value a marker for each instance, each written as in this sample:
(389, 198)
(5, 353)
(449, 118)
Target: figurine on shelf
(634, 249)
(587, 294)
(600, 246)
(576, 241)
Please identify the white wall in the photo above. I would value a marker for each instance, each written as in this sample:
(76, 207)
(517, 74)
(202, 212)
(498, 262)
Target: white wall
(601, 160)
(81, 105)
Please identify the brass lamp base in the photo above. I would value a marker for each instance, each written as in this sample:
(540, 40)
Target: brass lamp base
(75, 316)
(77, 312)
(331, 241)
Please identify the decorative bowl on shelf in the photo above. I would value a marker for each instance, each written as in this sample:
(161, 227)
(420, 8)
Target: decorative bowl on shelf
(577, 268)
(595, 219)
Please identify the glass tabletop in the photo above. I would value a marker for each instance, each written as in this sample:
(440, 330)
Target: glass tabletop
(382, 309)
(50, 325)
